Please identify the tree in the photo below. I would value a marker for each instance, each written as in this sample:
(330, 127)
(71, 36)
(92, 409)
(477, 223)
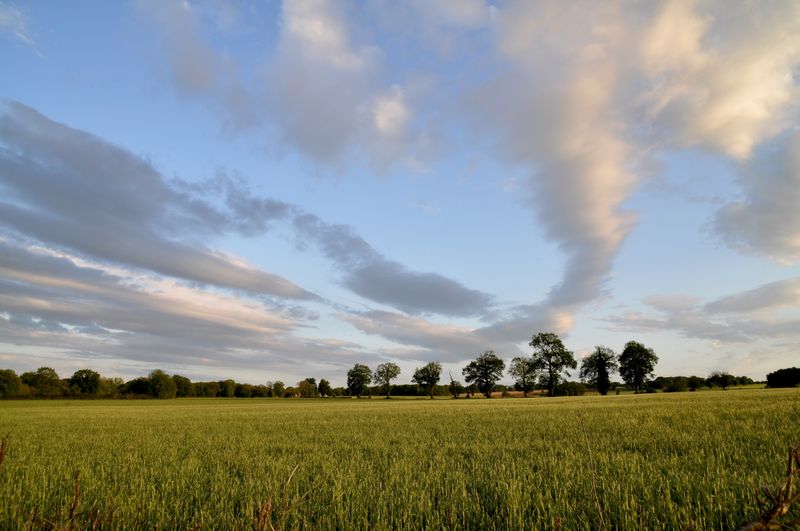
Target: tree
(428, 376)
(455, 387)
(227, 388)
(484, 371)
(10, 383)
(523, 370)
(551, 358)
(695, 382)
(384, 374)
(138, 386)
(597, 367)
(183, 386)
(279, 389)
(721, 379)
(308, 388)
(84, 382)
(358, 379)
(45, 382)
(636, 363)
(789, 377)
(324, 387)
(244, 390)
(161, 384)
(674, 384)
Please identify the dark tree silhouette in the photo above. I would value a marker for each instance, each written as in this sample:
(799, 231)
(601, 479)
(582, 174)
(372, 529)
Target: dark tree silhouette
(597, 368)
(636, 364)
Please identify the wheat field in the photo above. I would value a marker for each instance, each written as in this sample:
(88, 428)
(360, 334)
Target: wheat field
(659, 461)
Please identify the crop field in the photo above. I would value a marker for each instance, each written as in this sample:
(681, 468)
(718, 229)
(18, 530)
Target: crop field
(660, 461)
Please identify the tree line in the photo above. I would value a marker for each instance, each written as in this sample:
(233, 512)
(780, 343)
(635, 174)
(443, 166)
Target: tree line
(546, 368)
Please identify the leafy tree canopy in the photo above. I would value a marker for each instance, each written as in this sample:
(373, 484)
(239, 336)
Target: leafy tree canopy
(485, 371)
(636, 364)
(384, 374)
(428, 376)
(550, 355)
(524, 371)
(358, 379)
(597, 367)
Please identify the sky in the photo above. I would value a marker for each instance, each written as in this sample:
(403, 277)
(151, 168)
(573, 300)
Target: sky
(279, 190)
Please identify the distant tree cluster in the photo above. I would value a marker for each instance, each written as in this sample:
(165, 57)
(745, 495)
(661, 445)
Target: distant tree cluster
(86, 383)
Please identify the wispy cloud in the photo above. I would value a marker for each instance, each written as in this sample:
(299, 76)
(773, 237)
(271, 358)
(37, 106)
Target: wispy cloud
(14, 21)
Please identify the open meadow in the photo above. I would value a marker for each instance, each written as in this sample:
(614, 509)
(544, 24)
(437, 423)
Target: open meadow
(668, 461)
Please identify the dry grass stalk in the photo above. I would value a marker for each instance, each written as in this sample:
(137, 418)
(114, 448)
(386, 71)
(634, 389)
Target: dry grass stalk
(264, 522)
(4, 447)
(779, 500)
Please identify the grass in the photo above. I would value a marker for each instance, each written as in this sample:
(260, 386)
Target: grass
(661, 461)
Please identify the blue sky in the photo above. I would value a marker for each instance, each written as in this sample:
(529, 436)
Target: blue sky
(277, 190)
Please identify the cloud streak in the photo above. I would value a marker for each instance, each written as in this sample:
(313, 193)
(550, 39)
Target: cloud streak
(76, 191)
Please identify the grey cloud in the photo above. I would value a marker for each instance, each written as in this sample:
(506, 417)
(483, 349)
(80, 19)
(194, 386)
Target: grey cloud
(391, 283)
(48, 301)
(74, 190)
(779, 294)
(441, 342)
(196, 67)
(737, 318)
(370, 275)
(767, 219)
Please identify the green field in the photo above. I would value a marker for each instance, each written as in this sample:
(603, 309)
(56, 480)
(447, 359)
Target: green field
(671, 461)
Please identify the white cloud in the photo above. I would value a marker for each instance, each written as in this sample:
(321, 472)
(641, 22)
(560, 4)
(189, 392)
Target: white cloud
(722, 73)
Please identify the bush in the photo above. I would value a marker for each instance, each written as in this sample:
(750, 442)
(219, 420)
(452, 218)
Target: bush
(784, 378)
(569, 389)
(676, 384)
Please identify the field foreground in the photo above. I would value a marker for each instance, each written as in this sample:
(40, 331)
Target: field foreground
(685, 460)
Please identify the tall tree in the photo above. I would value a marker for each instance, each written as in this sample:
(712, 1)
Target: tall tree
(484, 371)
(455, 387)
(523, 370)
(597, 367)
(552, 358)
(324, 387)
(358, 379)
(428, 376)
(636, 364)
(384, 374)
